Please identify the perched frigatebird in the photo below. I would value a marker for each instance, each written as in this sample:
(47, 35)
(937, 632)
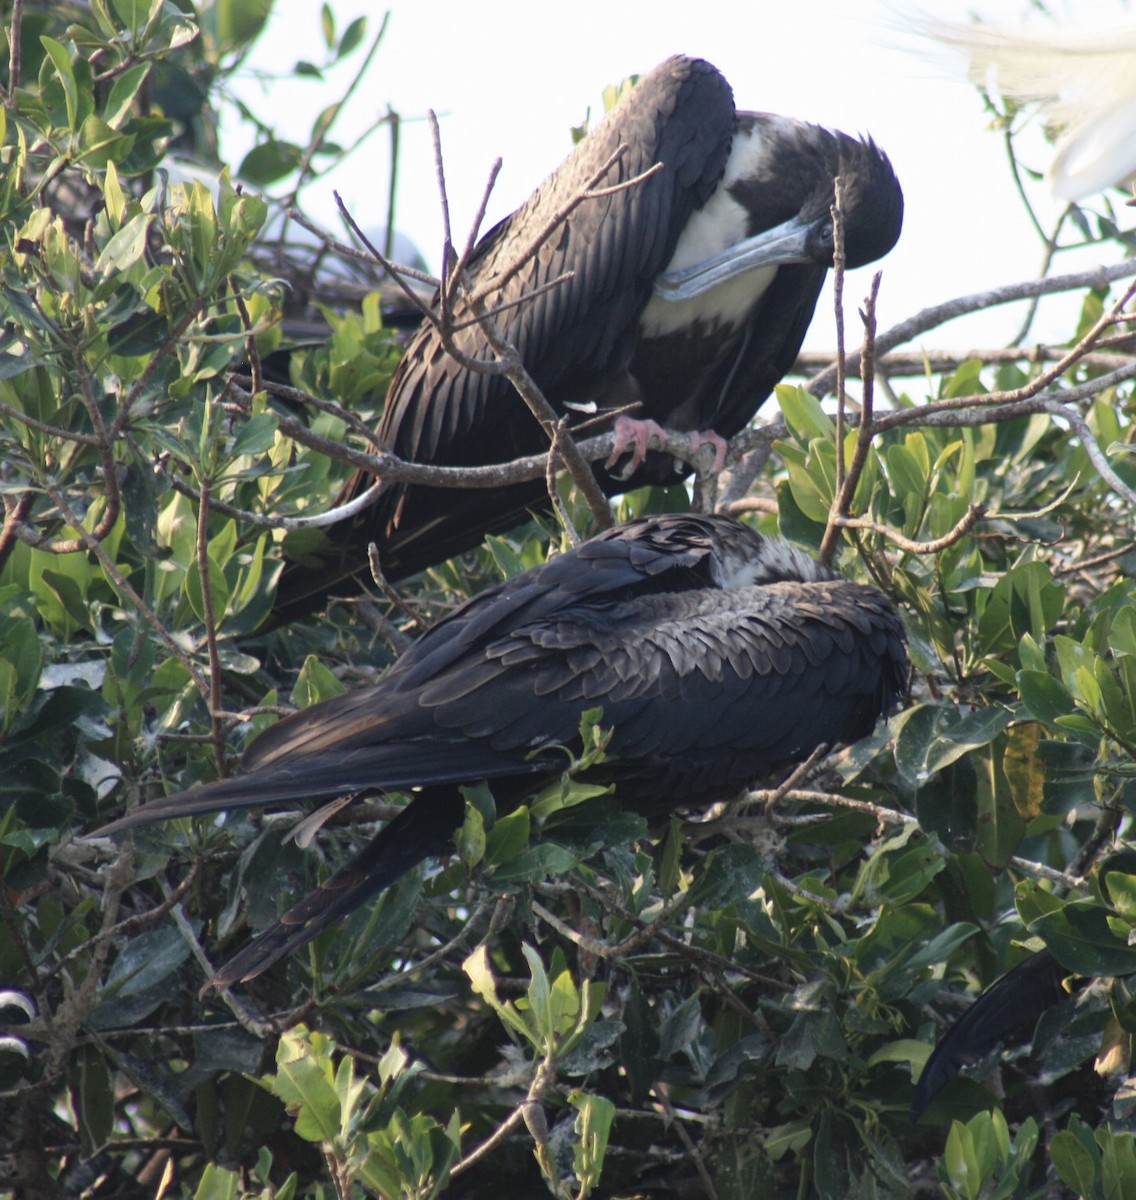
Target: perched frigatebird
(690, 295)
(716, 654)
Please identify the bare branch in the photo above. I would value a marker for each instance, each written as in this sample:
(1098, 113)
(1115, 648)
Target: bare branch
(837, 211)
(209, 620)
(939, 314)
(554, 458)
(374, 562)
(842, 503)
(14, 52)
(973, 514)
(915, 363)
(400, 274)
(1096, 455)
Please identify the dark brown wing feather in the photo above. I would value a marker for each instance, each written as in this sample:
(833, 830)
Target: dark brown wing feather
(576, 339)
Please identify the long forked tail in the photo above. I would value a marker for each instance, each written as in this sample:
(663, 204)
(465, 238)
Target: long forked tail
(423, 829)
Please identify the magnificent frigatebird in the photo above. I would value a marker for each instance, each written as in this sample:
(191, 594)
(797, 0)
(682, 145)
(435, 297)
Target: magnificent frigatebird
(716, 654)
(690, 295)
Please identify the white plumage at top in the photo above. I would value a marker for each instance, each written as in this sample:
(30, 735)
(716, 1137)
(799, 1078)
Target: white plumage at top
(1083, 77)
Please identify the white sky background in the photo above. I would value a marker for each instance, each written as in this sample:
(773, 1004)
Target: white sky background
(509, 78)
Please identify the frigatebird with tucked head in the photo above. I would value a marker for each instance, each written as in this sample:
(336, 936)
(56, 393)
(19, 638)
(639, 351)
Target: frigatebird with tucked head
(689, 296)
(716, 654)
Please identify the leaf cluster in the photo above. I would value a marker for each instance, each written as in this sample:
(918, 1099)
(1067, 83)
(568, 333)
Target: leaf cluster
(579, 1004)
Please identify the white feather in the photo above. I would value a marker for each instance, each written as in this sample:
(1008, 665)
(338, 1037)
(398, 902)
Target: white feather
(1084, 79)
(719, 224)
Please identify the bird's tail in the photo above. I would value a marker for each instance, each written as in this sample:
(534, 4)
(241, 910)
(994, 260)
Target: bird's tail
(1010, 1003)
(422, 830)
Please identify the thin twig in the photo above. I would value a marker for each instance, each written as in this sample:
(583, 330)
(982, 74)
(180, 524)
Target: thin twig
(554, 459)
(374, 562)
(842, 502)
(252, 353)
(209, 620)
(331, 113)
(973, 514)
(1092, 448)
(799, 772)
(543, 1078)
(920, 363)
(15, 50)
(837, 211)
(692, 1150)
(587, 192)
(938, 314)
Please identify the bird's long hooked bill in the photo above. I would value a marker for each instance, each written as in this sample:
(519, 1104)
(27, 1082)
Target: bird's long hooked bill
(784, 243)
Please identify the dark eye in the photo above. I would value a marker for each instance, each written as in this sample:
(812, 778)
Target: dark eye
(826, 234)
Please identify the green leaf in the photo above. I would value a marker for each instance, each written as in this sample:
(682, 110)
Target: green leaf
(732, 873)
(61, 61)
(256, 436)
(122, 94)
(352, 37)
(908, 475)
(1121, 889)
(218, 589)
(476, 966)
(146, 961)
(134, 14)
(99, 143)
(126, 247)
(507, 838)
(471, 838)
(539, 996)
(803, 414)
(1118, 1163)
(238, 22)
(217, 1183)
(592, 1128)
(270, 161)
(680, 1027)
(303, 1081)
(1076, 1165)
(1045, 698)
(543, 859)
(142, 333)
(92, 1086)
(961, 1162)
(1081, 938)
(315, 683)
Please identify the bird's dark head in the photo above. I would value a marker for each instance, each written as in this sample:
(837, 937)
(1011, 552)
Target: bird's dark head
(782, 172)
(871, 199)
(743, 557)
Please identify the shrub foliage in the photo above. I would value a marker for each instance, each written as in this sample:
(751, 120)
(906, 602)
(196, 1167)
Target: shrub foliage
(575, 1004)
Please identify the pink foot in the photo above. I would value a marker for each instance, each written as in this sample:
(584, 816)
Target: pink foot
(710, 438)
(628, 433)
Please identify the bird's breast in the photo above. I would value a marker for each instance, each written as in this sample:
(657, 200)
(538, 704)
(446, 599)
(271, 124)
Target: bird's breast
(724, 308)
(723, 221)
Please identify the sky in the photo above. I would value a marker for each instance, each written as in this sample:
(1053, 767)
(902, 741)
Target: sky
(510, 78)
